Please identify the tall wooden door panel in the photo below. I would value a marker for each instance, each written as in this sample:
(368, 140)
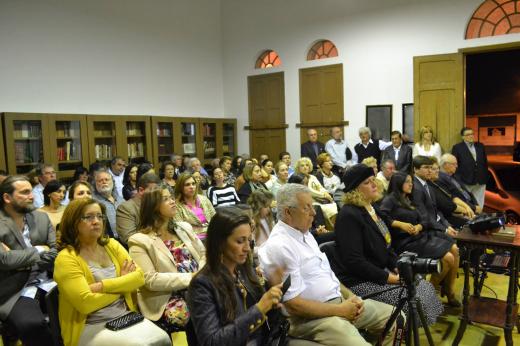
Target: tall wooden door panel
(270, 142)
(438, 96)
(321, 100)
(266, 113)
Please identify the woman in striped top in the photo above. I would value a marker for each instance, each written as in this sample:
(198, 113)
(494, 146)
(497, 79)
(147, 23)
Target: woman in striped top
(221, 194)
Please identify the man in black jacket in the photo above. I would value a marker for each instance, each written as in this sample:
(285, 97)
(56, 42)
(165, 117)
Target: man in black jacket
(472, 167)
(399, 152)
(424, 199)
(312, 148)
(369, 147)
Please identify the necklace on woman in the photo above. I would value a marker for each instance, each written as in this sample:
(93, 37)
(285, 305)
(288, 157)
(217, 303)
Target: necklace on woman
(371, 210)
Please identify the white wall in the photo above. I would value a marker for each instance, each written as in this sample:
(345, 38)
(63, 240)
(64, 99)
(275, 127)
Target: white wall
(111, 57)
(376, 40)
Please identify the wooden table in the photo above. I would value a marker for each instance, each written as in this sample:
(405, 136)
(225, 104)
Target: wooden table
(495, 312)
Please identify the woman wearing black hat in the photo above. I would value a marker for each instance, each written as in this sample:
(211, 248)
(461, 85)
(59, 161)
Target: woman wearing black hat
(364, 246)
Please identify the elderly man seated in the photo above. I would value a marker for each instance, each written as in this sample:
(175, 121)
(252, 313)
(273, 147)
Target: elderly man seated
(320, 308)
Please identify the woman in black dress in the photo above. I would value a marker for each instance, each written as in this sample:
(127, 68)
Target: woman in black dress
(364, 246)
(411, 232)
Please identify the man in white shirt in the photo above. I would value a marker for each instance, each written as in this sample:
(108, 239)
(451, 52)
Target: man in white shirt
(45, 173)
(320, 308)
(342, 156)
(117, 171)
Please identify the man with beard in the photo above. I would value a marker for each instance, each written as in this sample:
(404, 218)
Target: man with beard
(105, 194)
(27, 253)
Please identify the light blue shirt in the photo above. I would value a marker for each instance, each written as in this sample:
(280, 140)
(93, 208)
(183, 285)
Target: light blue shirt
(337, 150)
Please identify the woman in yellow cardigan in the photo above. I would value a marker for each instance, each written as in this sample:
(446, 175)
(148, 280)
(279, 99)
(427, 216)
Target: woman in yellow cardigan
(97, 280)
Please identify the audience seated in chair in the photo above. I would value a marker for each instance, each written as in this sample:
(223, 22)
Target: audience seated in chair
(53, 195)
(97, 280)
(221, 194)
(282, 176)
(80, 189)
(260, 202)
(411, 232)
(227, 304)
(127, 214)
(252, 176)
(130, 181)
(364, 243)
(27, 253)
(192, 208)
(105, 193)
(169, 253)
(320, 308)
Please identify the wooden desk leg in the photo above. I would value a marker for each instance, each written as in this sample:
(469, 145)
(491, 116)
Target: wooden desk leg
(511, 299)
(465, 300)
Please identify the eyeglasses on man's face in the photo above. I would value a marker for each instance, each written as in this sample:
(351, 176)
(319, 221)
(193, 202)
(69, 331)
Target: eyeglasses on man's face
(91, 218)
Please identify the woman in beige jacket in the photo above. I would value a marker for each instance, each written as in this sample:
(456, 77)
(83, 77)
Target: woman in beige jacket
(169, 253)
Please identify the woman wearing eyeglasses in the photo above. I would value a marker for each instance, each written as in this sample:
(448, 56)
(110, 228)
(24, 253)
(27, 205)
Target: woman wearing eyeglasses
(96, 280)
(170, 254)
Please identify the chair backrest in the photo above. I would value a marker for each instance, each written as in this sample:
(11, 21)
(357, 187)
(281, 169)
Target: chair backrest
(51, 302)
(330, 249)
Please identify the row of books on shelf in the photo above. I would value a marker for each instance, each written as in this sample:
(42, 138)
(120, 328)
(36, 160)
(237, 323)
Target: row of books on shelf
(134, 129)
(103, 151)
(209, 147)
(25, 130)
(188, 129)
(63, 129)
(208, 130)
(135, 149)
(164, 131)
(69, 151)
(26, 153)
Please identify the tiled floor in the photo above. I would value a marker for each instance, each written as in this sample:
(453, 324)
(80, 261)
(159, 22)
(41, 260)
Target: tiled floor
(444, 331)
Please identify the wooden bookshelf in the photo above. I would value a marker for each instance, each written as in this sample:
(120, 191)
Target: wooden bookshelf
(137, 139)
(104, 140)
(163, 138)
(187, 139)
(68, 143)
(26, 138)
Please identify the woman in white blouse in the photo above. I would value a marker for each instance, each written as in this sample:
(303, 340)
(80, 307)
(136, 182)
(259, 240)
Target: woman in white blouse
(427, 146)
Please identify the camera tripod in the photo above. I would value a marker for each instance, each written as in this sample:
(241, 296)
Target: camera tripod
(414, 309)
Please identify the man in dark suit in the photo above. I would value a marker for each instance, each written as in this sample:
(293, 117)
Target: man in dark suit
(399, 152)
(424, 199)
(27, 253)
(312, 148)
(448, 181)
(472, 167)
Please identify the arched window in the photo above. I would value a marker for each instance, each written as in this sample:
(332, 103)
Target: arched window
(494, 17)
(322, 49)
(267, 59)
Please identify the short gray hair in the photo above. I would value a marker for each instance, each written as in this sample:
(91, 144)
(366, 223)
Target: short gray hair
(445, 158)
(286, 197)
(365, 129)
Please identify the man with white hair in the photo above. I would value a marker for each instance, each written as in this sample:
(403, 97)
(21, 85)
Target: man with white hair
(448, 181)
(369, 147)
(320, 308)
(196, 166)
(105, 194)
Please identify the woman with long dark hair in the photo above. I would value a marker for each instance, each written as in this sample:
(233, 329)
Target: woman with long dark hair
(130, 181)
(410, 232)
(227, 304)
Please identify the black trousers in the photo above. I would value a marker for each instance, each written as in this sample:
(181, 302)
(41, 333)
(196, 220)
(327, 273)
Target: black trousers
(27, 320)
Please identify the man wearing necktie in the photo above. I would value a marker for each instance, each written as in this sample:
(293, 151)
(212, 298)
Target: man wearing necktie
(472, 167)
(312, 148)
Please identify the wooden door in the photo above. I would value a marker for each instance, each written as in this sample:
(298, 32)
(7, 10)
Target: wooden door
(321, 100)
(438, 96)
(266, 114)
